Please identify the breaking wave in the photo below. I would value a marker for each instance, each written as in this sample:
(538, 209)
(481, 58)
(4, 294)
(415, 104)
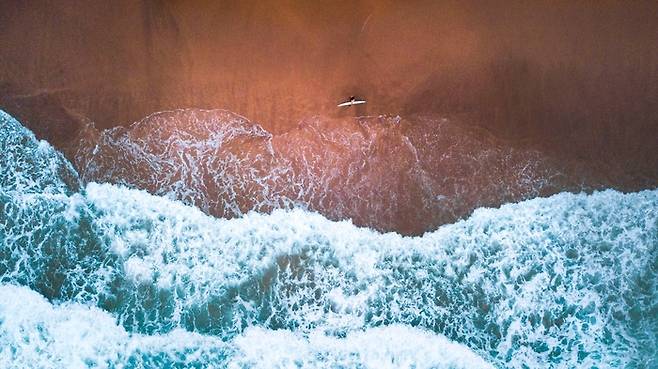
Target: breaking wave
(105, 275)
(42, 335)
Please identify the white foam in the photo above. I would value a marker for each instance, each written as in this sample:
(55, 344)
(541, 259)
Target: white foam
(394, 346)
(36, 334)
(536, 274)
(29, 165)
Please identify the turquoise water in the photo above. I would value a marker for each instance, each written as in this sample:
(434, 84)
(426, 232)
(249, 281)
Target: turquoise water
(100, 275)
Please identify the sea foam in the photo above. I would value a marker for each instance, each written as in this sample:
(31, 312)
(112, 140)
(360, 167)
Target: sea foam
(37, 334)
(564, 281)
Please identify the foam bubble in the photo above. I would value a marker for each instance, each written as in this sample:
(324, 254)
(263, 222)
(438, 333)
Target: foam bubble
(394, 346)
(37, 334)
(32, 166)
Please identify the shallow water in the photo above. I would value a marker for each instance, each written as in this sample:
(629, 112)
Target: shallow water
(390, 173)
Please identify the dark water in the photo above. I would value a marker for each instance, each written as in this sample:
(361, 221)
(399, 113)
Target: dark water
(98, 272)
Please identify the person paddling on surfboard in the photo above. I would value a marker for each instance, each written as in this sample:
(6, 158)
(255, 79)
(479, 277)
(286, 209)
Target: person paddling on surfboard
(352, 101)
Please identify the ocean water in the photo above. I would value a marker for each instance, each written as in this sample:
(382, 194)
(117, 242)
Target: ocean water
(125, 275)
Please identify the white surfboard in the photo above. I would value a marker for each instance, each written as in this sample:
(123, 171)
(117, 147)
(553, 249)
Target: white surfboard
(352, 102)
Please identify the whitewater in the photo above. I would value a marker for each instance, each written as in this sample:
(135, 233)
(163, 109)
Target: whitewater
(115, 275)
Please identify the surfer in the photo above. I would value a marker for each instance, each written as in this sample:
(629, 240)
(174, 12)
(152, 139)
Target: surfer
(353, 100)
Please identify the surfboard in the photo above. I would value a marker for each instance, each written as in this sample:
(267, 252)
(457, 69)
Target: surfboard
(349, 103)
